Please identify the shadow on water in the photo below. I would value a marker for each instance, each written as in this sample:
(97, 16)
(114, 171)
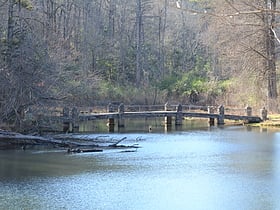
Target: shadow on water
(17, 165)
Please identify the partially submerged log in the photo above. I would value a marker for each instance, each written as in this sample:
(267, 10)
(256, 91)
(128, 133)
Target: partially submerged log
(10, 140)
(115, 144)
(16, 140)
(83, 150)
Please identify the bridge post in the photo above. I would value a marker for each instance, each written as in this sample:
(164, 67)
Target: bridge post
(121, 119)
(168, 119)
(248, 110)
(66, 123)
(75, 119)
(211, 120)
(111, 122)
(179, 115)
(221, 118)
(263, 113)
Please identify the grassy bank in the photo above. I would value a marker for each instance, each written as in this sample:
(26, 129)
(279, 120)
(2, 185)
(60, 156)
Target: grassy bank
(273, 121)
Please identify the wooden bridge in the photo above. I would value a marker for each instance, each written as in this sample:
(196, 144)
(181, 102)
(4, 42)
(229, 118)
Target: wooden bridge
(118, 114)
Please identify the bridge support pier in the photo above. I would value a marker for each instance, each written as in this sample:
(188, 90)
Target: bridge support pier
(221, 118)
(179, 116)
(121, 119)
(111, 120)
(263, 113)
(167, 119)
(211, 120)
(248, 110)
(75, 119)
(66, 122)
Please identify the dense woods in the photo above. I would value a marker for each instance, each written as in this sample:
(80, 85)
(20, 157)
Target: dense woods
(88, 52)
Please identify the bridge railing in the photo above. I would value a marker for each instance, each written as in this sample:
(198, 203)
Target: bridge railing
(161, 107)
(60, 112)
(246, 111)
(72, 116)
(143, 108)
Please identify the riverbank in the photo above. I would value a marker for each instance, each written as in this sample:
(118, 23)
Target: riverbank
(273, 121)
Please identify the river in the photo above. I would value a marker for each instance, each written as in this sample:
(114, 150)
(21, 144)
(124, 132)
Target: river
(204, 168)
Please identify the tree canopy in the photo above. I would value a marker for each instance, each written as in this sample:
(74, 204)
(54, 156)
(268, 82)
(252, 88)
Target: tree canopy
(89, 52)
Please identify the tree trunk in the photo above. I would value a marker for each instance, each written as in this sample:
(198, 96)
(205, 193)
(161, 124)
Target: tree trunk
(138, 42)
(162, 41)
(271, 62)
(272, 88)
(112, 14)
(10, 33)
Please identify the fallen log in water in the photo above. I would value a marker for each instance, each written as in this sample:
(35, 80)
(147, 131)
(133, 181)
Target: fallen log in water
(81, 150)
(16, 140)
(12, 140)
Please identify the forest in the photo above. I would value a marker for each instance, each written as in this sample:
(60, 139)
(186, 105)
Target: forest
(92, 52)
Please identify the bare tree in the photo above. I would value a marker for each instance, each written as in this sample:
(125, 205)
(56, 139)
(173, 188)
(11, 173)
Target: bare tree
(243, 36)
(269, 24)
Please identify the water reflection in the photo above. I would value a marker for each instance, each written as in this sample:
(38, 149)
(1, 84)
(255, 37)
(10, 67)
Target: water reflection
(141, 125)
(229, 168)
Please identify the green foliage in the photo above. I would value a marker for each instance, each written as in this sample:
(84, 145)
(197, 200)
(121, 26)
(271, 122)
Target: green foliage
(167, 83)
(27, 4)
(190, 82)
(218, 88)
(127, 94)
(107, 90)
(107, 68)
(185, 83)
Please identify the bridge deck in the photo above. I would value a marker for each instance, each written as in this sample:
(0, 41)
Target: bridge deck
(71, 119)
(153, 114)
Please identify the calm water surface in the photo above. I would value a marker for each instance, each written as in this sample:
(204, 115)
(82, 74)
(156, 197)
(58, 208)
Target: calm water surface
(217, 168)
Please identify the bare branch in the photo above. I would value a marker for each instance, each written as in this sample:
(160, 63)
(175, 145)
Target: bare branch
(254, 50)
(275, 35)
(2, 4)
(232, 6)
(237, 13)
